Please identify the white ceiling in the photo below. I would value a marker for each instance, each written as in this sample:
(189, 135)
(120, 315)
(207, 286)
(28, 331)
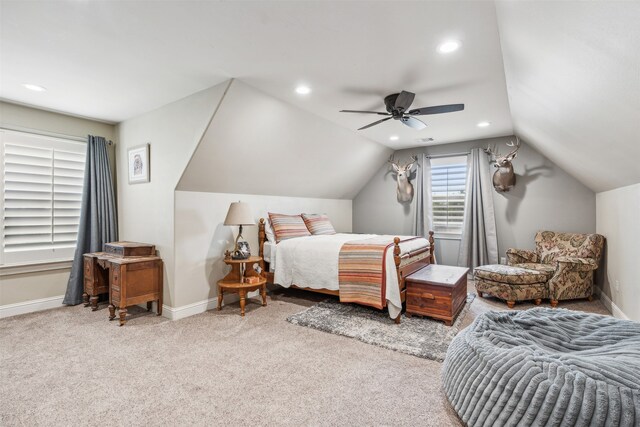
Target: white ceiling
(573, 78)
(117, 59)
(572, 67)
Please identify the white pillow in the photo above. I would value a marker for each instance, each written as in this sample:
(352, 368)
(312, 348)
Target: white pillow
(271, 237)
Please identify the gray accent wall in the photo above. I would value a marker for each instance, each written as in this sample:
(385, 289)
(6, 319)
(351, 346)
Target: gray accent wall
(545, 198)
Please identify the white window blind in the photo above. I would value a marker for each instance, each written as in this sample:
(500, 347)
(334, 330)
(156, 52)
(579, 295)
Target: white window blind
(42, 180)
(448, 190)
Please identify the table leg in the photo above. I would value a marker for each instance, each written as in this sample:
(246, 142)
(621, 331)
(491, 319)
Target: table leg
(159, 308)
(123, 316)
(112, 311)
(94, 303)
(220, 298)
(85, 299)
(264, 295)
(243, 296)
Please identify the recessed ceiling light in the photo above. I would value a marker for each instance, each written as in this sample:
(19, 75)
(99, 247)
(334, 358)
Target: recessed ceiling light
(303, 90)
(393, 138)
(449, 46)
(35, 88)
(483, 124)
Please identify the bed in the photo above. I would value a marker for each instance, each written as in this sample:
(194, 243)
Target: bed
(347, 266)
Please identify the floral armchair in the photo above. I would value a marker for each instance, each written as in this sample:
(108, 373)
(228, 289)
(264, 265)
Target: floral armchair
(568, 259)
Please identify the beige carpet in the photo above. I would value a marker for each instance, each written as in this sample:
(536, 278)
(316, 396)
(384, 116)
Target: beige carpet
(70, 366)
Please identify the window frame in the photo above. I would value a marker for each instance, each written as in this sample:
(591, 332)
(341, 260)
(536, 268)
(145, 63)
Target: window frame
(16, 262)
(458, 160)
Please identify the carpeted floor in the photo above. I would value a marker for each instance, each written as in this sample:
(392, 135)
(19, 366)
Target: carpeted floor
(70, 366)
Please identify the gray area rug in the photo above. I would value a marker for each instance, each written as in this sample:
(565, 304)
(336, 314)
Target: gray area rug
(418, 336)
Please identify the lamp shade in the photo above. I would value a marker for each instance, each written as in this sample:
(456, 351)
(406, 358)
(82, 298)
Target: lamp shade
(239, 214)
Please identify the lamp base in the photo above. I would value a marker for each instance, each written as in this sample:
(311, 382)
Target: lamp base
(241, 250)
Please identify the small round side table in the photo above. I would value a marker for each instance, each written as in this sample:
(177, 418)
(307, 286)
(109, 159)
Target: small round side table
(237, 282)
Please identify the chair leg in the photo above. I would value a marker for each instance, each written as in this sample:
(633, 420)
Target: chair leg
(511, 304)
(554, 303)
(590, 297)
(537, 301)
(480, 294)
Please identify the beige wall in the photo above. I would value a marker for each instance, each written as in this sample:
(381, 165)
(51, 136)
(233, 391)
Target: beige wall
(258, 144)
(545, 197)
(24, 287)
(18, 288)
(617, 219)
(202, 239)
(146, 211)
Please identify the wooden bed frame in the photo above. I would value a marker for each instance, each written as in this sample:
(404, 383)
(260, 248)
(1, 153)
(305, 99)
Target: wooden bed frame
(402, 272)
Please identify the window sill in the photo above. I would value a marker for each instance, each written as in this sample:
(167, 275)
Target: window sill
(13, 269)
(447, 236)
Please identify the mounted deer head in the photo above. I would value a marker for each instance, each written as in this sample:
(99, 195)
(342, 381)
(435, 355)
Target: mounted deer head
(504, 179)
(404, 190)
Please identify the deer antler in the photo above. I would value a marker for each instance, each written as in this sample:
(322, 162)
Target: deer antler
(517, 144)
(493, 151)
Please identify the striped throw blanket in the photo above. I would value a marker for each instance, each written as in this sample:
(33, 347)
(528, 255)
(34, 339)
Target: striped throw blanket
(361, 271)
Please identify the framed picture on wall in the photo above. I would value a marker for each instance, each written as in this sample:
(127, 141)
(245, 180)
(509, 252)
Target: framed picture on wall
(138, 164)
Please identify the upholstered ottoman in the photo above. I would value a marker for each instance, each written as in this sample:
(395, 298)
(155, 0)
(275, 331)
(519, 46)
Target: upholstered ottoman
(512, 283)
(545, 367)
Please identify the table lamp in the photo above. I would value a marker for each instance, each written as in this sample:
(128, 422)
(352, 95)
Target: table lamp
(240, 214)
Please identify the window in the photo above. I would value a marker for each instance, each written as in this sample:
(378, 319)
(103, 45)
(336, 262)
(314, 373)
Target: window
(42, 180)
(448, 189)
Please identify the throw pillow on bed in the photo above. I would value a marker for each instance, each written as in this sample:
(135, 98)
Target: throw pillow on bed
(318, 224)
(288, 226)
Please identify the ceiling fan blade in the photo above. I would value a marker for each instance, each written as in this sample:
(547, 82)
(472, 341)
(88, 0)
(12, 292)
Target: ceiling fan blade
(414, 123)
(404, 100)
(376, 123)
(365, 112)
(438, 109)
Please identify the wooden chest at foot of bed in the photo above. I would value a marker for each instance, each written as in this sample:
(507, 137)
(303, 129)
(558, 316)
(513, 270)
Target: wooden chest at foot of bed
(437, 291)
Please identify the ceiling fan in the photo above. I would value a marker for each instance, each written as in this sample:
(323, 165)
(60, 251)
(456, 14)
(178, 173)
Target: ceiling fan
(398, 108)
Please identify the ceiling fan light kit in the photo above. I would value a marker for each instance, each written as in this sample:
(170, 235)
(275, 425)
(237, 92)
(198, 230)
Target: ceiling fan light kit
(397, 105)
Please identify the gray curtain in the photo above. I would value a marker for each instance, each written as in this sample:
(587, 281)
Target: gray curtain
(423, 221)
(98, 222)
(479, 245)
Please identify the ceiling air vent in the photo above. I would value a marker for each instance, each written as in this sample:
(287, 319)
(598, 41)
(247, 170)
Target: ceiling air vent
(424, 140)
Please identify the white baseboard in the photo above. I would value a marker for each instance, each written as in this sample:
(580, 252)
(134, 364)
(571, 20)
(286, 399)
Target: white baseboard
(30, 306)
(177, 313)
(610, 305)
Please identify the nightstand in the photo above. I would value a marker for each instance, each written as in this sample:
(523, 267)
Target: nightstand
(237, 281)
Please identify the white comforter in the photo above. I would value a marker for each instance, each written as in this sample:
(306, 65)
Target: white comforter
(312, 262)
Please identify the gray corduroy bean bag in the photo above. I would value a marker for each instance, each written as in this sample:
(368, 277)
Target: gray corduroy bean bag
(545, 367)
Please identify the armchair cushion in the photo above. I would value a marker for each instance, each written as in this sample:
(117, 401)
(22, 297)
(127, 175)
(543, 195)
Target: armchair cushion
(547, 269)
(519, 256)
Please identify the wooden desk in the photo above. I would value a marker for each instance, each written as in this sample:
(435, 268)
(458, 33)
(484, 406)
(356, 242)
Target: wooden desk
(134, 280)
(129, 272)
(235, 282)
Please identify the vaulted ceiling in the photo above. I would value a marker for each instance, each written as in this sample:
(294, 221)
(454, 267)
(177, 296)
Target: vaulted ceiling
(564, 75)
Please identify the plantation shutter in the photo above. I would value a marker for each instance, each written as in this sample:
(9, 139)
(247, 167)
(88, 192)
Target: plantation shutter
(42, 190)
(448, 188)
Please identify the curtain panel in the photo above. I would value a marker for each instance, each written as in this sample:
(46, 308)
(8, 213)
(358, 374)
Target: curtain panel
(423, 221)
(479, 245)
(98, 221)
